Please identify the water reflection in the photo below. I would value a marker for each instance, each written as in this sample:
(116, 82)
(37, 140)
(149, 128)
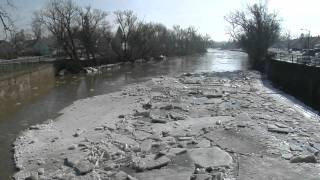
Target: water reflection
(67, 90)
(22, 88)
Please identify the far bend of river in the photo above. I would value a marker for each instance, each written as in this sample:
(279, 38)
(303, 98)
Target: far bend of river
(69, 89)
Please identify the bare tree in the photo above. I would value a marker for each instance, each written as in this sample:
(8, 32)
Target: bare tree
(103, 44)
(256, 29)
(286, 37)
(143, 40)
(187, 41)
(61, 18)
(162, 40)
(37, 26)
(78, 30)
(127, 21)
(18, 40)
(93, 27)
(5, 18)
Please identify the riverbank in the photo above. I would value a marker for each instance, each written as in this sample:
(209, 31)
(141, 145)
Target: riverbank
(68, 66)
(196, 125)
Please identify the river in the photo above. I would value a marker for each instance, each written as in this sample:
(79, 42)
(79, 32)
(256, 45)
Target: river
(64, 91)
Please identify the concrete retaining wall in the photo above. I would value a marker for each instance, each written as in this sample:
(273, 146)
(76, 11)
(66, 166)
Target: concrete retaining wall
(299, 80)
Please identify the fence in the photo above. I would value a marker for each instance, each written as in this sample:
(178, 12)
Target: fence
(299, 59)
(22, 64)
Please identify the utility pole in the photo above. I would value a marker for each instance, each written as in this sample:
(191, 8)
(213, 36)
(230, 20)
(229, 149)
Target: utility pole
(309, 34)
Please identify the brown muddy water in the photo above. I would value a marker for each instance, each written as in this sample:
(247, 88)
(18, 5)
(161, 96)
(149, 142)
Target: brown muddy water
(45, 99)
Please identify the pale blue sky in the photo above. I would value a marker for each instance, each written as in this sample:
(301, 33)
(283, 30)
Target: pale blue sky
(206, 15)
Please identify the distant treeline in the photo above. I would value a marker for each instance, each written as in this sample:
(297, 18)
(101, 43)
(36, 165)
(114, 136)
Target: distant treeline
(64, 29)
(227, 45)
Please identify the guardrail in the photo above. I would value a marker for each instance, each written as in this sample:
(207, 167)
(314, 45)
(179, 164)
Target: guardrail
(22, 64)
(299, 59)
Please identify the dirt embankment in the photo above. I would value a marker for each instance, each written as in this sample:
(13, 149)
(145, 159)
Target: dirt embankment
(195, 126)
